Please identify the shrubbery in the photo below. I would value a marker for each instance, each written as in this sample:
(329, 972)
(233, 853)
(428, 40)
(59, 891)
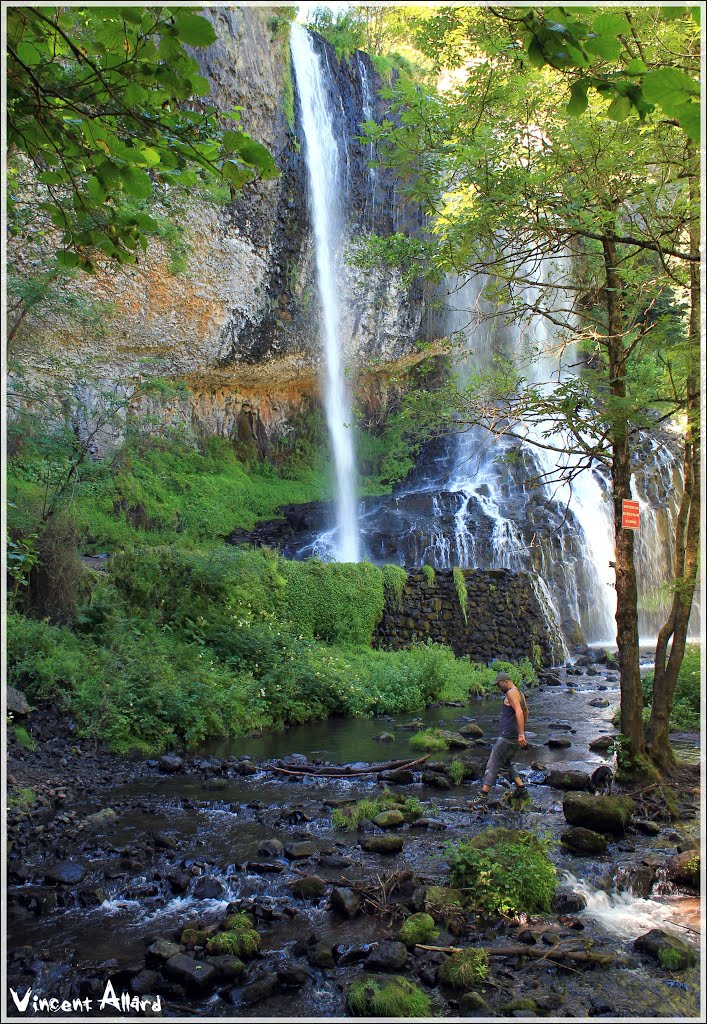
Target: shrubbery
(504, 871)
(685, 715)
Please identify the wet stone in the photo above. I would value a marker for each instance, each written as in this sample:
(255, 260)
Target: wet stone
(569, 779)
(209, 888)
(648, 828)
(436, 780)
(599, 702)
(271, 848)
(260, 988)
(583, 840)
(163, 949)
(334, 860)
(190, 972)
(65, 872)
(293, 976)
(345, 902)
(144, 982)
(567, 901)
(471, 729)
(389, 819)
(345, 955)
(602, 743)
(388, 956)
(383, 844)
(666, 949)
(300, 850)
(321, 954)
(558, 743)
(170, 763)
(227, 967)
(308, 888)
(264, 867)
(398, 776)
(178, 881)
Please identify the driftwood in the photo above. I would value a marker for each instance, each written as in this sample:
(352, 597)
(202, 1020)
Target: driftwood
(336, 772)
(553, 953)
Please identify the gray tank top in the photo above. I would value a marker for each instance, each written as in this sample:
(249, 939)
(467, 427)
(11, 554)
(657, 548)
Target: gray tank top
(509, 725)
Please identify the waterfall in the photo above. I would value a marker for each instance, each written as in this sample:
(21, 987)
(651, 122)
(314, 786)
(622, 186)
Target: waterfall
(326, 193)
(368, 116)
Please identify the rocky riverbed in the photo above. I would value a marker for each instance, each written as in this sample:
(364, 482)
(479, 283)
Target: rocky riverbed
(133, 871)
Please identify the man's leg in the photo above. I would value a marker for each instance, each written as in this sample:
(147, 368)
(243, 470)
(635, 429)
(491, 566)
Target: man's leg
(499, 755)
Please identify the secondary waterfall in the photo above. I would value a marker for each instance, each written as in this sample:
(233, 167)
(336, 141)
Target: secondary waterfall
(326, 189)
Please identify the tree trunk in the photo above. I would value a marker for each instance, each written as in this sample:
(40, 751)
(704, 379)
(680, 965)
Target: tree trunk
(626, 586)
(687, 533)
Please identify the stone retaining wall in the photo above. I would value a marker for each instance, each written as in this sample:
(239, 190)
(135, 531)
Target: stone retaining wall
(505, 617)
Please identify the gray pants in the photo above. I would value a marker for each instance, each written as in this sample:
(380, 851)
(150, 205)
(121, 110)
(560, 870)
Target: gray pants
(500, 760)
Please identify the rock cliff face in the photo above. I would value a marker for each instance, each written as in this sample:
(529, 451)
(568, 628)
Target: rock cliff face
(239, 323)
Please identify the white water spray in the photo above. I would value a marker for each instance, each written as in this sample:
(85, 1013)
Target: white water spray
(326, 187)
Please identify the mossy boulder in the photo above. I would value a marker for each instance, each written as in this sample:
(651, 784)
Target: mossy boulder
(560, 778)
(241, 942)
(464, 970)
(389, 819)
(370, 996)
(227, 967)
(583, 840)
(429, 741)
(684, 869)
(309, 888)
(418, 928)
(671, 953)
(383, 844)
(471, 729)
(610, 814)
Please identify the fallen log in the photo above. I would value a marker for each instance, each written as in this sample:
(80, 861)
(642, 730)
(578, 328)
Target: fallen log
(336, 772)
(554, 953)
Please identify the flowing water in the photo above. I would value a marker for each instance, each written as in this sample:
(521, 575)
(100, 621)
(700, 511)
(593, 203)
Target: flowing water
(327, 185)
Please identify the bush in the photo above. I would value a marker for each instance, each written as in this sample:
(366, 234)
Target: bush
(504, 871)
(465, 969)
(387, 997)
(332, 601)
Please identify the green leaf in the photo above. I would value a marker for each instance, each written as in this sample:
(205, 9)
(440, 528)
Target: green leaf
(578, 98)
(535, 54)
(668, 86)
(635, 67)
(255, 154)
(234, 174)
(95, 189)
(230, 141)
(136, 182)
(672, 13)
(620, 108)
(67, 258)
(689, 118)
(610, 24)
(51, 178)
(200, 86)
(603, 46)
(194, 30)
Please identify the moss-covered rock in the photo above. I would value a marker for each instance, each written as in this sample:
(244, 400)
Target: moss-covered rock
(671, 953)
(610, 814)
(429, 740)
(242, 942)
(383, 844)
(583, 840)
(418, 928)
(387, 997)
(464, 970)
(389, 819)
(504, 871)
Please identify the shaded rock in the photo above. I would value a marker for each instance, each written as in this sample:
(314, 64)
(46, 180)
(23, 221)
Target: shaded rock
(455, 740)
(383, 844)
(260, 988)
(190, 972)
(345, 902)
(648, 828)
(208, 887)
(346, 955)
(601, 813)
(567, 779)
(321, 954)
(271, 848)
(684, 869)
(472, 1003)
(549, 679)
(583, 840)
(398, 776)
(558, 743)
(527, 937)
(436, 780)
(293, 975)
(144, 982)
(105, 817)
(65, 872)
(389, 819)
(170, 763)
(308, 888)
(671, 953)
(635, 878)
(388, 956)
(602, 743)
(17, 703)
(246, 768)
(567, 901)
(429, 823)
(163, 949)
(227, 967)
(264, 867)
(599, 702)
(334, 860)
(384, 737)
(164, 841)
(300, 850)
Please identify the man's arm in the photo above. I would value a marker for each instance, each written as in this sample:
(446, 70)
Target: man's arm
(517, 705)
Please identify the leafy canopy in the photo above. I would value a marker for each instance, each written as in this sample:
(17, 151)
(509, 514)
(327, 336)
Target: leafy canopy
(105, 102)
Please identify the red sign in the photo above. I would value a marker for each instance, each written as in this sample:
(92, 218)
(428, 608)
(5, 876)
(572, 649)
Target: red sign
(630, 514)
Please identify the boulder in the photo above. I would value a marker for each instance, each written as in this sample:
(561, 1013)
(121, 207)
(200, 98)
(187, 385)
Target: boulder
(560, 778)
(383, 844)
(65, 872)
(599, 702)
(308, 888)
(101, 818)
(260, 988)
(345, 902)
(264, 867)
(558, 743)
(384, 737)
(190, 972)
(471, 729)
(436, 780)
(583, 840)
(389, 819)
(684, 869)
(299, 851)
(455, 740)
(388, 956)
(671, 953)
(163, 949)
(321, 954)
(610, 814)
(227, 967)
(16, 702)
(208, 887)
(567, 901)
(398, 776)
(602, 742)
(293, 975)
(170, 763)
(635, 878)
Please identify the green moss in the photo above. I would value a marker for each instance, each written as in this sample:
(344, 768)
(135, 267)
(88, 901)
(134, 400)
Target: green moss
(504, 871)
(194, 937)
(456, 772)
(466, 969)
(234, 922)
(241, 942)
(670, 958)
(387, 997)
(24, 738)
(394, 580)
(346, 819)
(429, 574)
(21, 799)
(429, 740)
(418, 928)
(460, 587)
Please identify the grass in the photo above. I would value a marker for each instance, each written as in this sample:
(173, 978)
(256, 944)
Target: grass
(21, 799)
(387, 997)
(347, 819)
(429, 741)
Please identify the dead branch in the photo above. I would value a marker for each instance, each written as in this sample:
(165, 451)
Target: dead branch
(336, 772)
(574, 955)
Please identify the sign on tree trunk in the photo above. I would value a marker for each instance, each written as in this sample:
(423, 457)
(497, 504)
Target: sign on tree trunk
(630, 514)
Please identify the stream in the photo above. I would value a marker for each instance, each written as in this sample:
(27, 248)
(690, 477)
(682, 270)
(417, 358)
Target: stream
(175, 848)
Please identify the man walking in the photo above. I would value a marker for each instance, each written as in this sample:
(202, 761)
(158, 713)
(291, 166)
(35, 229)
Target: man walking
(514, 714)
